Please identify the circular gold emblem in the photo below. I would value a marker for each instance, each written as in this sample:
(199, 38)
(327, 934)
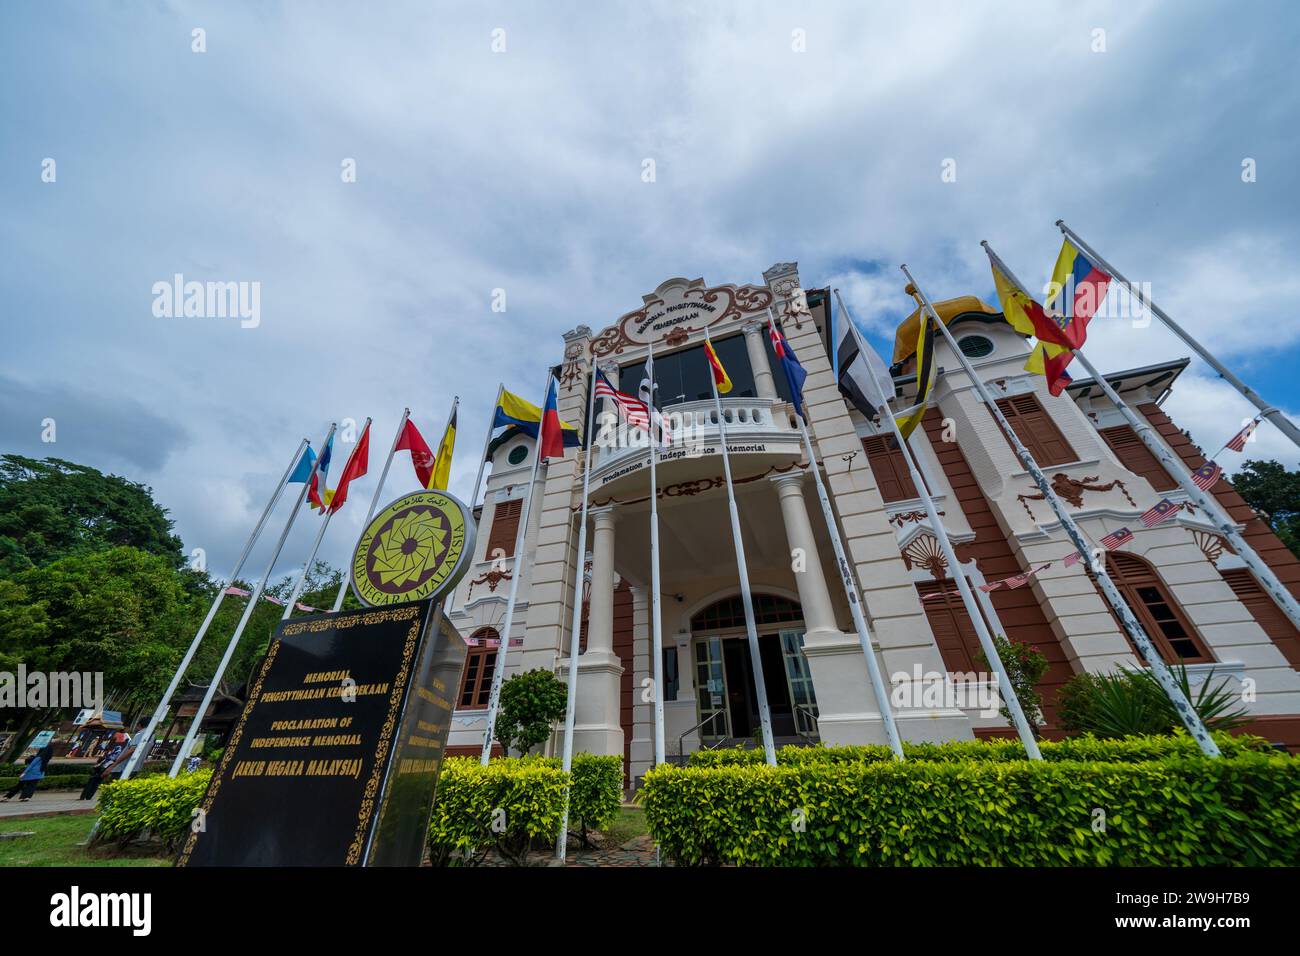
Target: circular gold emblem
(417, 547)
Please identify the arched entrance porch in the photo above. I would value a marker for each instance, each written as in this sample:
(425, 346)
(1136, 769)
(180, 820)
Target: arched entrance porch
(726, 699)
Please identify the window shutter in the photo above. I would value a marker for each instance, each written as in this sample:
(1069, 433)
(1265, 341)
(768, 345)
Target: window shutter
(476, 678)
(505, 526)
(1036, 430)
(887, 464)
(1156, 609)
(953, 631)
(1134, 455)
(1267, 614)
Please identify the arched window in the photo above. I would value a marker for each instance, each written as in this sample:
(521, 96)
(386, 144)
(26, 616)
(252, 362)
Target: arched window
(730, 612)
(1156, 609)
(476, 679)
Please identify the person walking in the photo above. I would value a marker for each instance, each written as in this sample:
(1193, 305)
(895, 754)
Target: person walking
(96, 778)
(32, 775)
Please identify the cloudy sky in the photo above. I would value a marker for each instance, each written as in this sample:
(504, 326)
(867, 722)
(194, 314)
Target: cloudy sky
(779, 131)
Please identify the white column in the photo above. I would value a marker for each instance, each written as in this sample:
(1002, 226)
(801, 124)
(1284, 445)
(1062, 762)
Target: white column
(763, 383)
(597, 728)
(818, 612)
(600, 612)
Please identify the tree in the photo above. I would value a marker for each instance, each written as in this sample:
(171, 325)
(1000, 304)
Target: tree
(530, 702)
(1272, 490)
(123, 612)
(52, 508)
(1025, 666)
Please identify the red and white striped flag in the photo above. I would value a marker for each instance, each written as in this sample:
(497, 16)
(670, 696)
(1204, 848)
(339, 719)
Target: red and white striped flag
(1238, 441)
(1116, 538)
(1164, 508)
(1206, 476)
(991, 586)
(633, 409)
(1071, 559)
(238, 592)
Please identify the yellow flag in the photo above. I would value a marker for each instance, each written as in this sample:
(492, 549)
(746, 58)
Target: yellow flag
(441, 474)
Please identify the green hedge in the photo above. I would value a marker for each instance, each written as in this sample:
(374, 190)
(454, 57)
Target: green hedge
(530, 791)
(1086, 748)
(52, 781)
(161, 805)
(503, 806)
(1179, 811)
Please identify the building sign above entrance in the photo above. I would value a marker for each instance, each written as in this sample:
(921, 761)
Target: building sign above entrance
(677, 309)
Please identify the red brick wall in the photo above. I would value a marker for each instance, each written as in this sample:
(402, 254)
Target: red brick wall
(1019, 610)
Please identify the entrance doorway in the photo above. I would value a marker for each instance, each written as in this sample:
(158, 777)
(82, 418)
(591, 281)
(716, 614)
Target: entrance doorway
(727, 700)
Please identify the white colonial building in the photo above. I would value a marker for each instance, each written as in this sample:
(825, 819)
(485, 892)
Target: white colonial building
(1194, 597)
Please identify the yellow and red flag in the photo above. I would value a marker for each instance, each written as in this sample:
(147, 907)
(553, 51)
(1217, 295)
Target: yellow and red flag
(720, 376)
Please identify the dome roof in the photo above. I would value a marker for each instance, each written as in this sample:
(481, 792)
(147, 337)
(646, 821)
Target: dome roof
(948, 310)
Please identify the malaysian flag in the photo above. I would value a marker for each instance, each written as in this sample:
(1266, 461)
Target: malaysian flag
(1116, 538)
(1020, 580)
(1071, 559)
(1238, 441)
(646, 393)
(238, 592)
(1205, 476)
(1164, 508)
(991, 586)
(633, 409)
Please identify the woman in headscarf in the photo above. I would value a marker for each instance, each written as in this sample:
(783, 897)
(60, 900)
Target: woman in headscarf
(33, 774)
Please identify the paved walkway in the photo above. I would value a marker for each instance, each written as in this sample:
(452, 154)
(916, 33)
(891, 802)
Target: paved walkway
(46, 804)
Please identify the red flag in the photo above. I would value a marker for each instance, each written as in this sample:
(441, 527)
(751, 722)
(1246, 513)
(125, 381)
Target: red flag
(357, 464)
(421, 457)
(1072, 559)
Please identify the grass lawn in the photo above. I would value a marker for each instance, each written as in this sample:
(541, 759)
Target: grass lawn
(55, 844)
(629, 823)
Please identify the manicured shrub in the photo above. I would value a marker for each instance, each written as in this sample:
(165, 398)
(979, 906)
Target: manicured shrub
(597, 792)
(1025, 666)
(504, 806)
(1177, 811)
(1127, 750)
(468, 796)
(530, 703)
(158, 805)
(51, 781)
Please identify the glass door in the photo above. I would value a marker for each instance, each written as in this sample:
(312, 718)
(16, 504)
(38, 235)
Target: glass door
(799, 679)
(711, 689)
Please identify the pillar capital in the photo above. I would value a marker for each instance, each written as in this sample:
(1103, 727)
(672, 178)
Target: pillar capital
(789, 482)
(602, 517)
(752, 327)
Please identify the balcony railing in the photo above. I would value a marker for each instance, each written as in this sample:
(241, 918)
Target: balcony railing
(696, 423)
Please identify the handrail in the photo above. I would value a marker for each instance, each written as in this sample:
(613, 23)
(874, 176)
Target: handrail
(812, 712)
(707, 720)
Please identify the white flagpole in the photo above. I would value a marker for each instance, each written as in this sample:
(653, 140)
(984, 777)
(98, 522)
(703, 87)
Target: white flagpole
(656, 613)
(1272, 413)
(248, 613)
(374, 502)
(1190, 719)
(850, 589)
(499, 669)
(1180, 473)
(746, 598)
(575, 626)
(478, 479)
(325, 523)
(137, 757)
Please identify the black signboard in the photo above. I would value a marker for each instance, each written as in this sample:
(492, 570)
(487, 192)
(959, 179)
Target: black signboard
(336, 755)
